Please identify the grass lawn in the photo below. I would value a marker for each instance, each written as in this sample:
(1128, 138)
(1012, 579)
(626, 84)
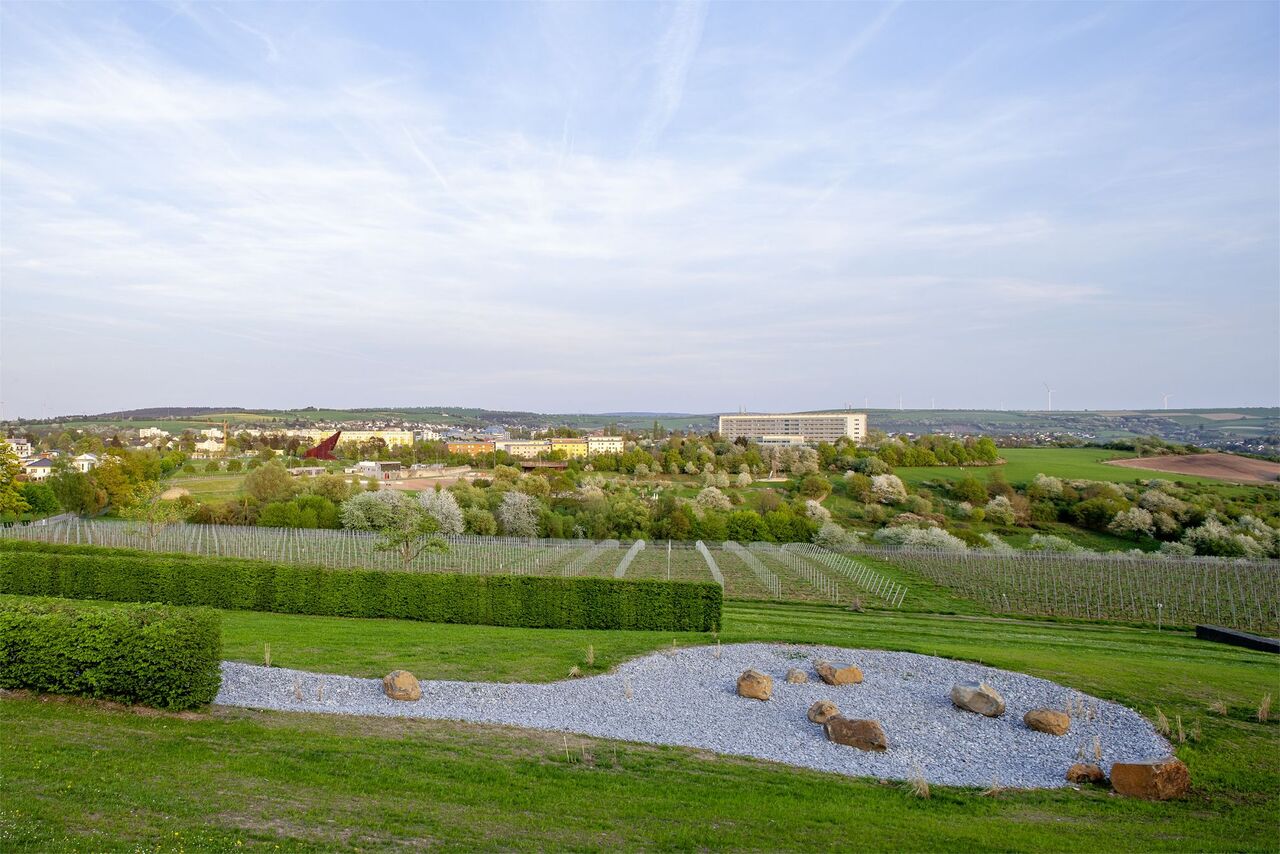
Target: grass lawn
(1023, 464)
(80, 775)
(208, 487)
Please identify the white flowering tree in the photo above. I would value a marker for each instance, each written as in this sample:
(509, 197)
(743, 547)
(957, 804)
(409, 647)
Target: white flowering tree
(744, 478)
(816, 511)
(712, 498)
(1050, 543)
(1134, 522)
(403, 525)
(518, 515)
(442, 506)
(888, 489)
(1000, 511)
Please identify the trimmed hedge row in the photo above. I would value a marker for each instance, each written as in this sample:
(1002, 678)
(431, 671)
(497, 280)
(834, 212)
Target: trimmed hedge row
(88, 572)
(150, 654)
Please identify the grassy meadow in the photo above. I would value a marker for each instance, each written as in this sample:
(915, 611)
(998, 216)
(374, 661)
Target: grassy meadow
(80, 775)
(1023, 464)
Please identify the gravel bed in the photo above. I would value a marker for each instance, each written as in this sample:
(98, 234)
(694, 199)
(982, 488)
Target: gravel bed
(688, 698)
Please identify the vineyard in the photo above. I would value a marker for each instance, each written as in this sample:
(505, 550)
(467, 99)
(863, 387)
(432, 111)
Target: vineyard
(1242, 594)
(1166, 591)
(762, 571)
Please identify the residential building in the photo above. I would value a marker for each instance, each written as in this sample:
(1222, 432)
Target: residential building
(806, 426)
(37, 469)
(471, 449)
(153, 433)
(21, 447)
(391, 437)
(572, 448)
(307, 471)
(605, 445)
(211, 446)
(525, 449)
(85, 463)
(212, 433)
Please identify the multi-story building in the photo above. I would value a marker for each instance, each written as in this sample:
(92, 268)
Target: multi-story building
(471, 449)
(21, 447)
(211, 446)
(153, 433)
(391, 437)
(805, 426)
(573, 448)
(525, 449)
(605, 445)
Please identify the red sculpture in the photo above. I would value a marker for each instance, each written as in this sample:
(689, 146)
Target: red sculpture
(324, 451)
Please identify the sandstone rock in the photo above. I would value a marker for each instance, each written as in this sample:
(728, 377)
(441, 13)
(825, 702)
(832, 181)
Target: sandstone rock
(823, 711)
(978, 697)
(1082, 773)
(834, 674)
(1154, 780)
(1051, 721)
(754, 684)
(401, 685)
(797, 676)
(864, 735)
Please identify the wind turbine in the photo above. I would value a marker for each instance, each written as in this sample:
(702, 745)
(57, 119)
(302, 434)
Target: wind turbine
(1166, 399)
(1050, 391)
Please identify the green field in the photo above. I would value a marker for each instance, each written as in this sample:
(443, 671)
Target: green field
(76, 775)
(209, 487)
(1023, 464)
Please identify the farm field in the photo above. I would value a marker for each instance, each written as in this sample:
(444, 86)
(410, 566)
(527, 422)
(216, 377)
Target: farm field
(1228, 467)
(208, 487)
(1023, 464)
(81, 775)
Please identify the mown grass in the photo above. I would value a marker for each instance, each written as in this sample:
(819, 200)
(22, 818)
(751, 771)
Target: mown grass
(76, 775)
(1023, 464)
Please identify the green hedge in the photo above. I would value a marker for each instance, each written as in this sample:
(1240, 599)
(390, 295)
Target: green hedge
(88, 572)
(151, 654)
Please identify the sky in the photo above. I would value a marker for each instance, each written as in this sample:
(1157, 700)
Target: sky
(638, 206)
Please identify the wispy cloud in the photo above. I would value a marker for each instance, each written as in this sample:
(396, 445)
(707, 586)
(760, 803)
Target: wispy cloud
(330, 209)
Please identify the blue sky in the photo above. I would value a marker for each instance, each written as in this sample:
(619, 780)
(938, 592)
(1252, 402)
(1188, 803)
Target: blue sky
(602, 207)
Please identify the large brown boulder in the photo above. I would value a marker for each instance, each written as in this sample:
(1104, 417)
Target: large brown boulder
(401, 685)
(1085, 773)
(823, 711)
(835, 674)
(796, 676)
(1154, 780)
(864, 735)
(1051, 721)
(978, 697)
(754, 684)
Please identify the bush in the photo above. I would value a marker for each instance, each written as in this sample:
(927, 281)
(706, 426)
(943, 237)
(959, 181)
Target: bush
(124, 575)
(150, 654)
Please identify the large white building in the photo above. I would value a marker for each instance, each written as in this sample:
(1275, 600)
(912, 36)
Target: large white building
(794, 427)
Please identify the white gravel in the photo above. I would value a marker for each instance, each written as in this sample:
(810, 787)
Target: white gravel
(688, 698)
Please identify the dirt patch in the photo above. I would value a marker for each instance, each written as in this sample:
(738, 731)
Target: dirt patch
(1219, 466)
(174, 492)
(421, 483)
(1222, 416)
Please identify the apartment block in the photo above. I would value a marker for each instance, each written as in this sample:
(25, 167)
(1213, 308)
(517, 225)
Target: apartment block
(795, 427)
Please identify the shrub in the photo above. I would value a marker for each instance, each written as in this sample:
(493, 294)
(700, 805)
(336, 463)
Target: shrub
(87, 572)
(888, 489)
(150, 654)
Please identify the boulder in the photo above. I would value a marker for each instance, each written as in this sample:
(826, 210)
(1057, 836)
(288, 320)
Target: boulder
(978, 697)
(835, 674)
(754, 684)
(1085, 773)
(1154, 780)
(864, 735)
(796, 676)
(1051, 721)
(823, 711)
(401, 685)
